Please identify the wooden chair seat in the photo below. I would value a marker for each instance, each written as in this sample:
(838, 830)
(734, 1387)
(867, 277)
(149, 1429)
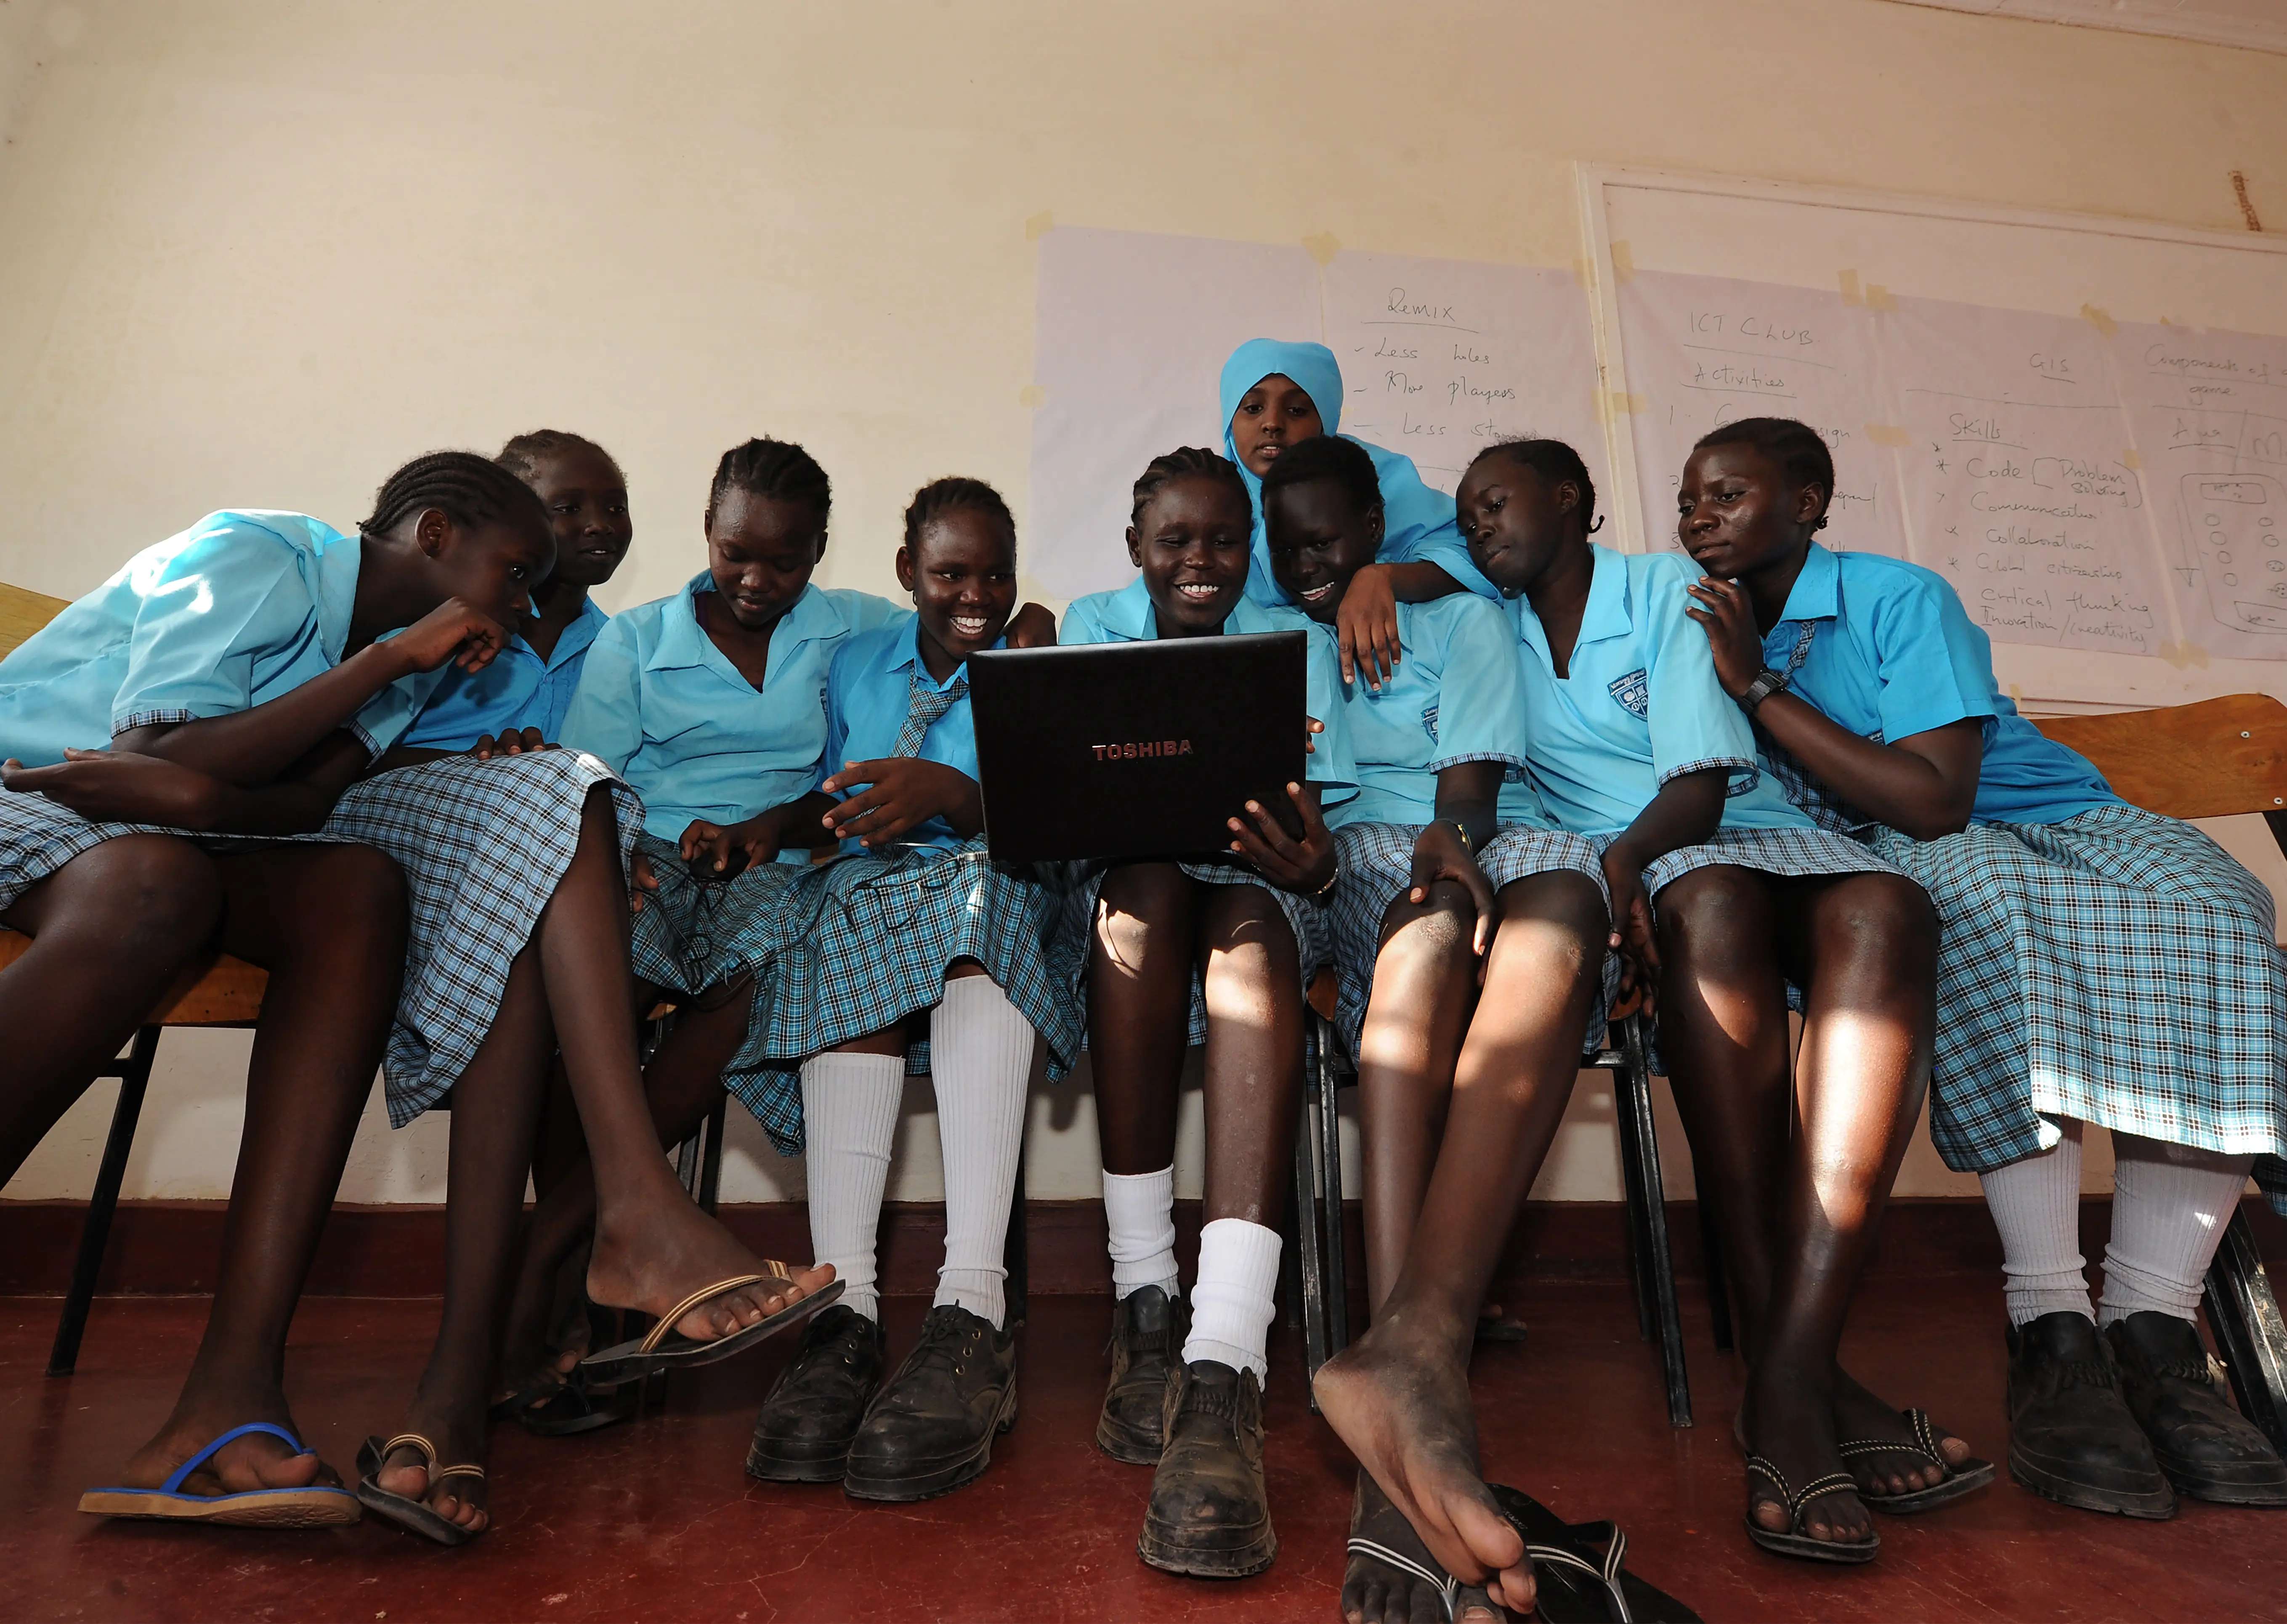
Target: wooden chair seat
(214, 990)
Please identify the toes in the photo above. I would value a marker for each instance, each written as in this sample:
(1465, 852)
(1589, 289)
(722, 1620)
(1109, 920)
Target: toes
(1771, 1515)
(1514, 1590)
(1491, 1539)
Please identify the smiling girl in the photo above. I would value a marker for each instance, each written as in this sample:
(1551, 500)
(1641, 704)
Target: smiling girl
(2098, 964)
(1215, 951)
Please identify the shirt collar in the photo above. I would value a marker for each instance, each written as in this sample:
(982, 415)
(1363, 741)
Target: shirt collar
(907, 657)
(1818, 591)
(1609, 613)
(334, 586)
(684, 642)
(1129, 613)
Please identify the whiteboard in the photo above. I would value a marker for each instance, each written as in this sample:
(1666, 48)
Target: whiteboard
(2080, 422)
(1439, 357)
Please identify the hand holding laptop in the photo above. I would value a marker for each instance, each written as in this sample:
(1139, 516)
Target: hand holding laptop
(1306, 866)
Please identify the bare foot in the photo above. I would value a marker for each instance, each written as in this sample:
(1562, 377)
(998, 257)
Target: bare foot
(460, 1440)
(547, 1333)
(1399, 1398)
(1374, 1592)
(1860, 1415)
(258, 1460)
(1789, 1421)
(649, 1261)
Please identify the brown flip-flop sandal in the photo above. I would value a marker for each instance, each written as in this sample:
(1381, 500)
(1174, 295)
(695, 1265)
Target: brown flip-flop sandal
(414, 1516)
(663, 1348)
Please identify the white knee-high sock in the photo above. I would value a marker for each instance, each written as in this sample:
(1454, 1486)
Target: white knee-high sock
(1231, 1305)
(981, 1059)
(1139, 1211)
(2035, 1205)
(2170, 1204)
(850, 1118)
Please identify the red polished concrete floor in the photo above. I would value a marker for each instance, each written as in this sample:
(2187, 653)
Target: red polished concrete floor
(656, 1520)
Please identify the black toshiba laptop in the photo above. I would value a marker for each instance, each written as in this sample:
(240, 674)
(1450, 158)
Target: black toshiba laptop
(1135, 749)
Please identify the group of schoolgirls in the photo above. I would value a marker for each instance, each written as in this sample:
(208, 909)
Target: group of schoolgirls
(1544, 775)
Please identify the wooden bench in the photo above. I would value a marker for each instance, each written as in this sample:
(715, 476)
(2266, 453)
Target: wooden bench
(217, 991)
(2220, 758)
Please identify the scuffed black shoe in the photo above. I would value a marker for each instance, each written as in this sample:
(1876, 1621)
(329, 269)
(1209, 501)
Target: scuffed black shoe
(2209, 1450)
(2071, 1438)
(931, 1429)
(804, 1433)
(1210, 1511)
(1147, 1335)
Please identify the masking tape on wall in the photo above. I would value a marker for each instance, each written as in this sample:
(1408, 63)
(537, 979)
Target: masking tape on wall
(1888, 433)
(1039, 226)
(2100, 319)
(1031, 395)
(1849, 283)
(1624, 261)
(1323, 248)
(2131, 459)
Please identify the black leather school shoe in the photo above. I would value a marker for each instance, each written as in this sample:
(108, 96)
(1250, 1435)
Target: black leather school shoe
(931, 1429)
(2209, 1450)
(804, 1433)
(2072, 1437)
(1147, 1335)
(1210, 1511)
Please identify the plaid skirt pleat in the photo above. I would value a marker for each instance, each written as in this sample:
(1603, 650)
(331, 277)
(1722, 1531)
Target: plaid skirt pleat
(2118, 968)
(694, 933)
(1791, 854)
(1081, 883)
(862, 942)
(483, 845)
(1378, 869)
(38, 836)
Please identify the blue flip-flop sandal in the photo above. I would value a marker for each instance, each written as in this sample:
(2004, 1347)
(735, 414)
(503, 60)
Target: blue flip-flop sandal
(319, 1506)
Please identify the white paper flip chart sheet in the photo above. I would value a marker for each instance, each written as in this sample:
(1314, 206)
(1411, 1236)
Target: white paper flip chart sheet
(1704, 350)
(2209, 415)
(1131, 332)
(2020, 485)
(1441, 357)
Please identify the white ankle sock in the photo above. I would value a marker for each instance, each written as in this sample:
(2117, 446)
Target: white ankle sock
(1139, 1211)
(2035, 1205)
(981, 1056)
(2170, 1204)
(850, 1118)
(1231, 1305)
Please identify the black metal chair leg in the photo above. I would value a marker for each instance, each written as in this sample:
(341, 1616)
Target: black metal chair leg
(710, 1160)
(1637, 1198)
(2245, 1318)
(1308, 1242)
(1718, 1295)
(1661, 1260)
(1334, 1283)
(134, 1074)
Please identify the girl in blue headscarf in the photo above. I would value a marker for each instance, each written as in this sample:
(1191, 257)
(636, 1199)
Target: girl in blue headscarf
(1276, 394)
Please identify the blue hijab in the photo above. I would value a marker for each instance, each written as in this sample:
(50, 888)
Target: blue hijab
(1416, 524)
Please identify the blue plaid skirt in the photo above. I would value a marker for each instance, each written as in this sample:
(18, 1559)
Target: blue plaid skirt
(859, 943)
(1378, 869)
(693, 934)
(1791, 854)
(482, 845)
(1081, 883)
(2118, 968)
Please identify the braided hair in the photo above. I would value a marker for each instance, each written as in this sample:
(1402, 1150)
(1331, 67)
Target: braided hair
(523, 455)
(1554, 462)
(1796, 449)
(1190, 462)
(940, 497)
(473, 490)
(776, 469)
(1332, 458)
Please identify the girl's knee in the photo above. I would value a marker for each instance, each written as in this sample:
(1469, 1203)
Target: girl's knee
(1151, 893)
(1719, 909)
(144, 892)
(1885, 917)
(1436, 932)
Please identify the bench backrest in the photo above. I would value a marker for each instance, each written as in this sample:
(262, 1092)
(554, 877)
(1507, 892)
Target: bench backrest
(23, 611)
(2216, 759)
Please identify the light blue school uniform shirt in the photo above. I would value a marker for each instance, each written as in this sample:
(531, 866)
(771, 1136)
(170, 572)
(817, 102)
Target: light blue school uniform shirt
(868, 696)
(1638, 705)
(239, 609)
(1457, 694)
(1127, 616)
(518, 689)
(1417, 522)
(665, 709)
(1885, 647)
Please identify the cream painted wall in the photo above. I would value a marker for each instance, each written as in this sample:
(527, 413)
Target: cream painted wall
(256, 253)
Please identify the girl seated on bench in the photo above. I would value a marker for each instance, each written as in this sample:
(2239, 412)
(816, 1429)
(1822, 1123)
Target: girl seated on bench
(246, 674)
(1217, 951)
(1460, 1090)
(2100, 964)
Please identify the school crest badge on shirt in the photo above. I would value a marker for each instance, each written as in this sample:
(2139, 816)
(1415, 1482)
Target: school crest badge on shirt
(1429, 724)
(1634, 693)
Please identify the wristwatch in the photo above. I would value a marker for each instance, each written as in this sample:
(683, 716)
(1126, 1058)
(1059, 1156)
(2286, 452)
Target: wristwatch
(1767, 682)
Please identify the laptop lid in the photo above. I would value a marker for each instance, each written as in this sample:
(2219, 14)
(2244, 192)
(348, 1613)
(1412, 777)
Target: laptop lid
(1132, 750)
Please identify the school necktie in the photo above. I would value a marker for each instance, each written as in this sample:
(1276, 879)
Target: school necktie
(928, 703)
